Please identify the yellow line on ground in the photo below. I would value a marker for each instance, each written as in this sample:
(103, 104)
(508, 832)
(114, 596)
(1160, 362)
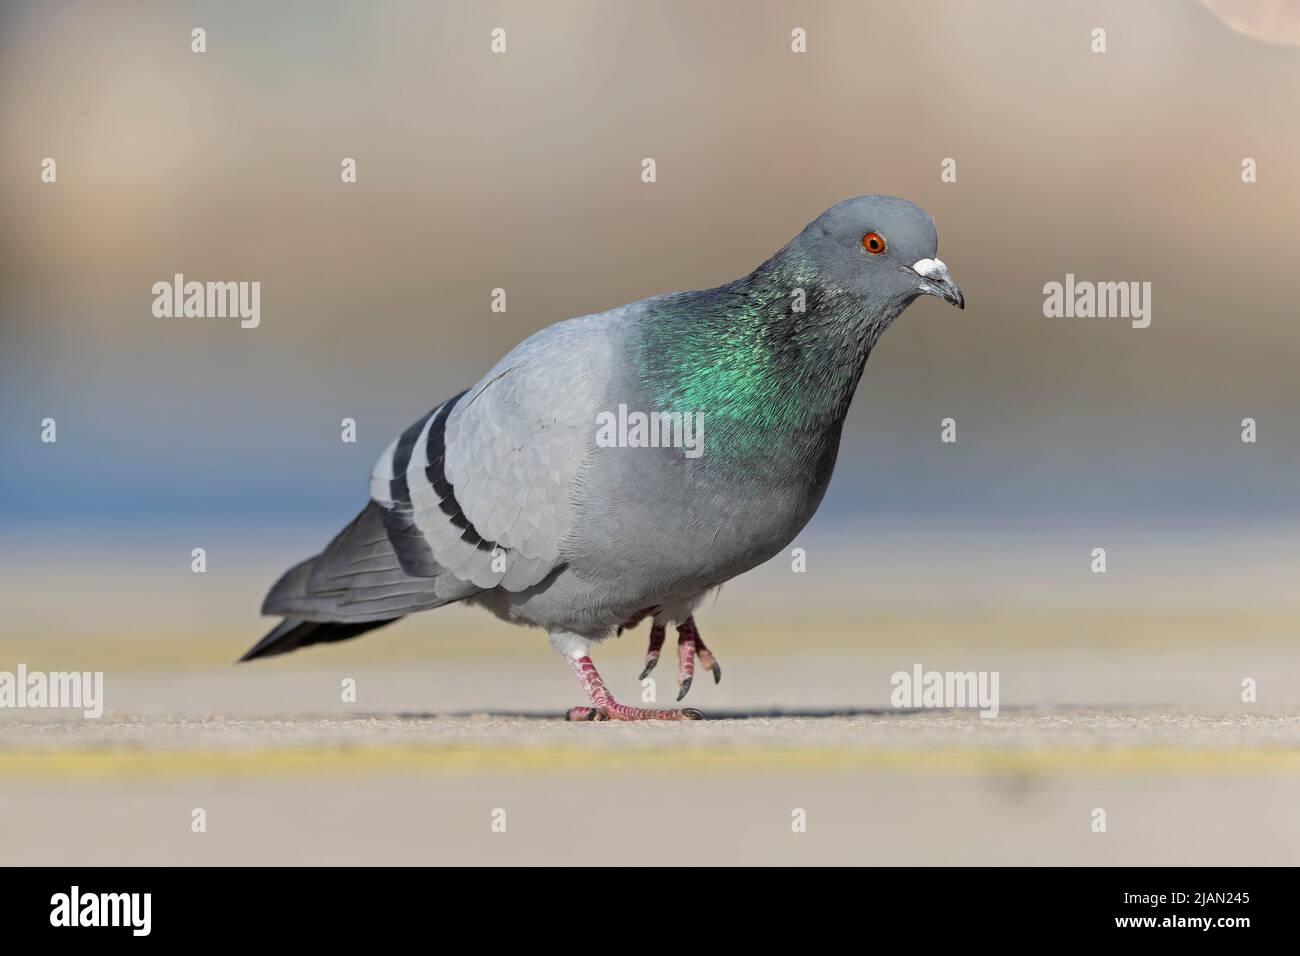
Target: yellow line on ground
(127, 765)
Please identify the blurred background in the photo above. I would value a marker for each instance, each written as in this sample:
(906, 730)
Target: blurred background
(522, 171)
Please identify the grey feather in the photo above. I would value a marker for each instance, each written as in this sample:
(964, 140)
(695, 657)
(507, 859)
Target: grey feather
(358, 577)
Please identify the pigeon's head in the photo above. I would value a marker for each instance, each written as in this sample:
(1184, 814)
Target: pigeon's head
(880, 248)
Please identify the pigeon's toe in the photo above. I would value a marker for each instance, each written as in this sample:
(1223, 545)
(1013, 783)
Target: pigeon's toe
(690, 648)
(709, 662)
(652, 652)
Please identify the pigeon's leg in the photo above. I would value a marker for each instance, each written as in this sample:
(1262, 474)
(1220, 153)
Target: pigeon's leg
(652, 653)
(690, 646)
(605, 707)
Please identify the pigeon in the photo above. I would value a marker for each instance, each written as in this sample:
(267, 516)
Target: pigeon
(621, 466)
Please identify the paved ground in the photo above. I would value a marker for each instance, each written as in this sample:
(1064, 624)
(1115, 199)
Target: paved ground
(457, 717)
(874, 788)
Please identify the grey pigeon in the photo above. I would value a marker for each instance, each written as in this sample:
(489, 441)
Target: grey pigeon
(622, 465)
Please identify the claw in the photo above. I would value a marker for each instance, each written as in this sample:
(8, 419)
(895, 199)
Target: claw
(690, 648)
(685, 660)
(652, 652)
(707, 659)
(690, 713)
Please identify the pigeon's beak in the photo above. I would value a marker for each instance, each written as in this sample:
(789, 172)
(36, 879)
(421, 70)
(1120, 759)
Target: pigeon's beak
(936, 281)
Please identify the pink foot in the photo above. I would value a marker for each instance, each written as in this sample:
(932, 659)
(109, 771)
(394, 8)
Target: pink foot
(652, 652)
(605, 707)
(689, 647)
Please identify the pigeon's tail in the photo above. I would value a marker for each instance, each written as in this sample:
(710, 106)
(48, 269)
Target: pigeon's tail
(291, 634)
(355, 585)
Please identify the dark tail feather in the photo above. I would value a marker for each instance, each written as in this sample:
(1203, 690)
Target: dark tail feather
(291, 634)
(355, 585)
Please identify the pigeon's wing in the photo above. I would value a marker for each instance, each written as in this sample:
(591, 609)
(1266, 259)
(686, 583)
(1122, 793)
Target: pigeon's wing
(482, 487)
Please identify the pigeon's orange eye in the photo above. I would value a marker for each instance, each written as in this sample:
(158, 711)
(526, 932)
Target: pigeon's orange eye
(874, 243)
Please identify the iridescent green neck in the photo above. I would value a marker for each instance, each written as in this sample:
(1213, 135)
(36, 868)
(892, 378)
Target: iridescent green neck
(774, 354)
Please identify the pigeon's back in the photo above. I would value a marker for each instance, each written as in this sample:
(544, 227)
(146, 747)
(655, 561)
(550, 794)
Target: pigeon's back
(484, 487)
